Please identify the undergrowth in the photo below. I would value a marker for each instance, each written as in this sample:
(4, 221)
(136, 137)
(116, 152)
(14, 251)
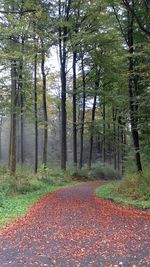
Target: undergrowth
(19, 192)
(132, 190)
(97, 171)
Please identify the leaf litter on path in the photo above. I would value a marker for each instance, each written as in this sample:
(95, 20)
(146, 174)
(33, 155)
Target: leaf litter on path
(73, 227)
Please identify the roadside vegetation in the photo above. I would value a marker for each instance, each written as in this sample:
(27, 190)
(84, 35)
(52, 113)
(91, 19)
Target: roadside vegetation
(133, 190)
(18, 193)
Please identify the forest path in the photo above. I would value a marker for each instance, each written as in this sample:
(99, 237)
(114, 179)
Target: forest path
(72, 227)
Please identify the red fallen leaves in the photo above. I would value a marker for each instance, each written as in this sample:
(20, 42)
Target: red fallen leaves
(73, 227)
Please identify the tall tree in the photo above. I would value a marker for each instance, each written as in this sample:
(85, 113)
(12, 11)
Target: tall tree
(44, 105)
(35, 106)
(82, 111)
(64, 10)
(74, 110)
(132, 91)
(14, 96)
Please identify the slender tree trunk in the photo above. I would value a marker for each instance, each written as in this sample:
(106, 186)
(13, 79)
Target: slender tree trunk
(104, 132)
(35, 111)
(82, 114)
(74, 111)
(109, 146)
(97, 80)
(131, 90)
(63, 117)
(21, 103)
(114, 115)
(92, 128)
(12, 151)
(118, 145)
(98, 145)
(44, 106)
(63, 31)
(18, 139)
(10, 139)
(123, 142)
(21, 117)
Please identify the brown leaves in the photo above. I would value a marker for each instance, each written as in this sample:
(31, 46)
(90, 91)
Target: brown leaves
(73, 227)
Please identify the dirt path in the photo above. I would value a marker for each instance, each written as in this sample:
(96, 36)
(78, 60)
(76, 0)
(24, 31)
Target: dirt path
(72, 227)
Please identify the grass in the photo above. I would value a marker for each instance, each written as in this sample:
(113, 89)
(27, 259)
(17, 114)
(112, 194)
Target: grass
(18, 193)
(132, 190)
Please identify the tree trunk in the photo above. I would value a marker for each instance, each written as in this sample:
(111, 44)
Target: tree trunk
(131, 91)
(109, 146)
(44, 106)
(63, 31)
(21, 102)
(17, 138)
(118, 146)
(35, 110)
(74, 111)
(82, 114)
(97, 80)
(104, 132)
(92, 128)
(12, 156)
(114, 115)
(21, 118)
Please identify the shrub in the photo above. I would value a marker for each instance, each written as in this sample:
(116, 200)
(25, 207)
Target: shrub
(4, 190)
(75, 172)
(27, 188)
(103, 171)
(135, 186)
(52, 176)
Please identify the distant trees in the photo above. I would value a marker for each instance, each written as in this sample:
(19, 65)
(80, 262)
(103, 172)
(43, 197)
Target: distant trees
(103, 77)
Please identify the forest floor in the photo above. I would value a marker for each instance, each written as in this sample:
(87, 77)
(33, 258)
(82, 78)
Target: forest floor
(73, 227)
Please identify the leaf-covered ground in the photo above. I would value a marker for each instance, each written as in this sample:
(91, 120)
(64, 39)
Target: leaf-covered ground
(72, 227)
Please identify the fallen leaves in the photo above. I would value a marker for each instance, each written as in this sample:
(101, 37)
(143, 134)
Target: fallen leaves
(73, 227)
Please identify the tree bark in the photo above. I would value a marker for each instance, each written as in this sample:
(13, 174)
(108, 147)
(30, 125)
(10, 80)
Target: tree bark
(92, 128)
(131, 91)
(20, 88)
(109, 145)
(114, 115)
(63, 31)
(35, 110)
(82, 113)
(74, 111)
(44, 106)
(12, 151)
(104, 132)
(97, 79)
(118, 145)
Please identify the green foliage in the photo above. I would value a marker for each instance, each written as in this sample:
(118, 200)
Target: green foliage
(133, 190)
(25, 181)
(27, 188)
(135, 186)
(98, 171)
(103, 171)
(15, 206)
(52, 175)
(19, 192)
(76, 172)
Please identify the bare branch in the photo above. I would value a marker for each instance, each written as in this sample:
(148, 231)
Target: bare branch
(120, 26)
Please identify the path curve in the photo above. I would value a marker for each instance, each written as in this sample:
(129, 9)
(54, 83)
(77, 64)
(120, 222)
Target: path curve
(72, 227)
